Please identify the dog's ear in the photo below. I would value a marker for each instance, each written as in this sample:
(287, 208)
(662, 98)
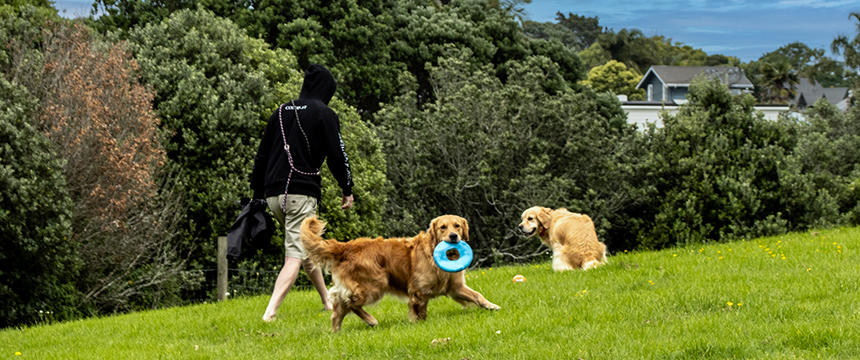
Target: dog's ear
(465, 225)
(432, 229)
(544, 216)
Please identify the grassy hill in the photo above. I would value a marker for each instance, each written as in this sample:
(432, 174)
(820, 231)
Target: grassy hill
(792, 296)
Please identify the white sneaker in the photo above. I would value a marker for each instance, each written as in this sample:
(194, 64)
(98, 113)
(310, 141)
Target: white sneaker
(268, 317)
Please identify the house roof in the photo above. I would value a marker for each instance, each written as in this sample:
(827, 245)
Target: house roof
(808, 92)
(683, 75)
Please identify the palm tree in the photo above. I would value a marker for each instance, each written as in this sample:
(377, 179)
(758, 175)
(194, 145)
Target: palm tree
(849, 49)
(780, 81)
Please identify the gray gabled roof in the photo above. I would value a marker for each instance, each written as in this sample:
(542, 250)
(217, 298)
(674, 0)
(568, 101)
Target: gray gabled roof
(683, 75)
(808, 92)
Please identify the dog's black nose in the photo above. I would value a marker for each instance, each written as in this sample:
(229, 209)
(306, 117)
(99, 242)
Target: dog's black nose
(453, 237)
(520, 227)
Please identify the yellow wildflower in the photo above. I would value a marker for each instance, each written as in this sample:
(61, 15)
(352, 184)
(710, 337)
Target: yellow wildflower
(729, 303)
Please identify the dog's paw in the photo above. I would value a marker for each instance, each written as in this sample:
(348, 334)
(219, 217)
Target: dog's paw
(491, 306)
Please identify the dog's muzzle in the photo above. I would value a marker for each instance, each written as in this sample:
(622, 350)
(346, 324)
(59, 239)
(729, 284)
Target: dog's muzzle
(453, 238)
(527, 233)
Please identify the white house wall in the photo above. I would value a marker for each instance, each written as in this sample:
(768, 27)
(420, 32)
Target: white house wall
(644, 114)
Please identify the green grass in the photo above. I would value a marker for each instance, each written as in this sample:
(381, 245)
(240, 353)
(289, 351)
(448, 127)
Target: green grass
(795, 296)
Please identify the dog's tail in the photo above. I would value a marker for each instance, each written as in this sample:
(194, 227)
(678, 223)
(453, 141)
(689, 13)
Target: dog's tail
(321, 252)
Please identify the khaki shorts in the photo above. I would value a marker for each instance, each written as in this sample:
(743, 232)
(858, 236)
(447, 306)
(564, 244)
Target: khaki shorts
(298, 208)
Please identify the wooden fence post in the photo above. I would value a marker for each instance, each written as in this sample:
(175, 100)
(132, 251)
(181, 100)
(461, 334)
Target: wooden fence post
(222, 267)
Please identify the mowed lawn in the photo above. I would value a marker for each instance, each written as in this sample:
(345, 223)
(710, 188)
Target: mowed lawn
(789, 297)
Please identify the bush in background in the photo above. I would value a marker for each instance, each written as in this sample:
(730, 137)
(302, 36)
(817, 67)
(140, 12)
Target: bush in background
(38, 262)
(216, 88)
(487, 150)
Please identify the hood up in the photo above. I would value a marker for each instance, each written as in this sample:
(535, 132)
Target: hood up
(319, 84)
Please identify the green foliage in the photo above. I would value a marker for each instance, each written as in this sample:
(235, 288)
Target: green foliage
(586, 29)
(776, 73)
(21, 33)
(368, 44)
(216, 87)
(616, 78)
(487, 151)
(636, 51)
(125, 15)
(21, 3)
(850, 49)
(715, 171)
(367, 164)
(38, 261)
(548, 30)
(820, 174)
(574, 31)
(213, 94)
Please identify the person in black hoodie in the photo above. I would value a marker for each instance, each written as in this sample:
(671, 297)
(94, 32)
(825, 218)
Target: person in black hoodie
(299, 136)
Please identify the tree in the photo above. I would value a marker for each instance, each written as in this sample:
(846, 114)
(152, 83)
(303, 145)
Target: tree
(99, 121)
(211, 96)
(585, 29)
(216, 87)
(482, 150)
(779, 81)
(808, 63)
(614, 77)
(713, 172)
(368, 44)
(631, 47)
(850, 49)
(23, 3)
(38, 262)
(819, 177)
(549, 31)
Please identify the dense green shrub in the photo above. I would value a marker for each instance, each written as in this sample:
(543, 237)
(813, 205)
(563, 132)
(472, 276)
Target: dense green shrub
(216, 87)
(487, 150)
(99, 122)
(367, 44)
(820, 176)
(38, 261)
(713, 171)
(211, 96)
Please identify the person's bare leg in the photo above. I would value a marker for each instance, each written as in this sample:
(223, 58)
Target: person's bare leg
(316, 276)
(285, 281)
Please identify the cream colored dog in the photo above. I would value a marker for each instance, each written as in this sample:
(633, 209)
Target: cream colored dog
(571, 237)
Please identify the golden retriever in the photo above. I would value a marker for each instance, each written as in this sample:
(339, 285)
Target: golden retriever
(365, 269)
(571, 237)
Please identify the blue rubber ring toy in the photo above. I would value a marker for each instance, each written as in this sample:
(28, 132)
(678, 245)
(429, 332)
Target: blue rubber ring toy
(440, 256)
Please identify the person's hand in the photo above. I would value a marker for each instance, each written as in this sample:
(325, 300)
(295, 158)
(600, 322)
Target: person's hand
(346, 202)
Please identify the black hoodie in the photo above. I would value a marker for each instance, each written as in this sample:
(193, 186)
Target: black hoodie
(322, 127)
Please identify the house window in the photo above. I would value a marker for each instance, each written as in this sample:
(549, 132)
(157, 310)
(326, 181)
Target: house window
(650, 92)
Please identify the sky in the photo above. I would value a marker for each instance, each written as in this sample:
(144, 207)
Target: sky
(73, 8)
(740, 28)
